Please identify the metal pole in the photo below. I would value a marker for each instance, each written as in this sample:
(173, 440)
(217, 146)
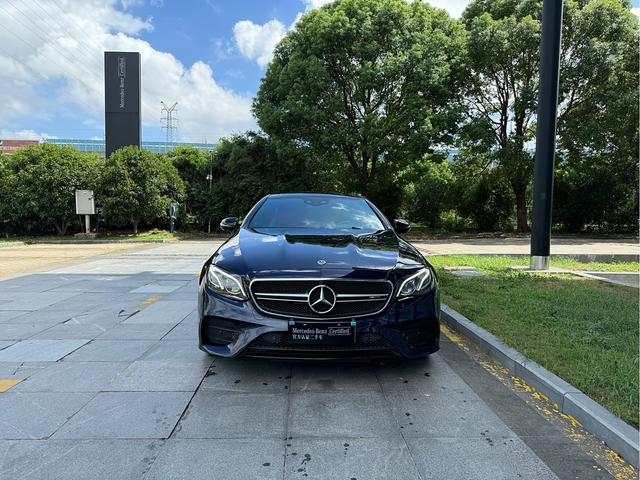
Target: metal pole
(546, 134)
(210, 178)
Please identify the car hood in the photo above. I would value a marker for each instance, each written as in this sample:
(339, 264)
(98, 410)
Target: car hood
(256, 252)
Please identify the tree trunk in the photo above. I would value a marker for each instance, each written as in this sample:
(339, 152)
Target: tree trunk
(520, 192)
(134, 224)
(61, 228)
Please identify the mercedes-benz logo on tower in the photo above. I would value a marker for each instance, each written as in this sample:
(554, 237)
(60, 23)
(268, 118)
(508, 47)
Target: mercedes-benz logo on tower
(322, 299)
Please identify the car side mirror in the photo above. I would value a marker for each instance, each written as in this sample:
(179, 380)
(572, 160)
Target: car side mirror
(401, 226)
(229, 224)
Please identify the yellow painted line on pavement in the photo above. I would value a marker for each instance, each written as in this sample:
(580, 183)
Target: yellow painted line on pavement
(7, 384)
(149, 301)
(610, 460)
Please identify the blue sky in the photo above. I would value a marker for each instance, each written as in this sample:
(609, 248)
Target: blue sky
(207, 55)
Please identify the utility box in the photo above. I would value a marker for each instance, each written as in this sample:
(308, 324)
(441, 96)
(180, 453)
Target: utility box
(85, 204)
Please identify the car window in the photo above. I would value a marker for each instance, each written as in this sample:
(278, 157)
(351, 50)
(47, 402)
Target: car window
(322, 213)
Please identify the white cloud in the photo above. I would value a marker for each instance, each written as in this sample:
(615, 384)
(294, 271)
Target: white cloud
(313, 4)
(454, 7)
(257, 42)
(636, 11)
(57, 74)
(23, 135)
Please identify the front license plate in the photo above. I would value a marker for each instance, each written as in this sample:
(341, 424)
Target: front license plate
(322, 333)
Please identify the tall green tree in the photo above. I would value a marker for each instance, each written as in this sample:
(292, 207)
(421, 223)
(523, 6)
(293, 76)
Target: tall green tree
(193, 167)
(500, 97)
(598, 169)
(364, 83)
(138, 186)
(39, 184)
(247, 167)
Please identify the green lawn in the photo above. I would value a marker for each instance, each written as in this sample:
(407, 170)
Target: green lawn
(584, 331)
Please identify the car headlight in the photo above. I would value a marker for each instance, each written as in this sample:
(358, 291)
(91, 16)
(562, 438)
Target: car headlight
(416, 283)
(225, 284)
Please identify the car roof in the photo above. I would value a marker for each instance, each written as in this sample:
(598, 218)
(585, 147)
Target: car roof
(285, 195)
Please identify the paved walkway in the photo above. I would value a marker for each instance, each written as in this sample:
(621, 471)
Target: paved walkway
(109, 384)
(521, 246)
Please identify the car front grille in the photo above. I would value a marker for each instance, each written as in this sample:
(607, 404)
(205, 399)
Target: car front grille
(290, 297)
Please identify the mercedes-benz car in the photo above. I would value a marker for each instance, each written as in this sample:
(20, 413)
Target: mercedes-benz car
(317, 276)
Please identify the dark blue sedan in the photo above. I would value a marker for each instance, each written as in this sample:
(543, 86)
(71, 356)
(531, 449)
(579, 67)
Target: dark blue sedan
(318, 276)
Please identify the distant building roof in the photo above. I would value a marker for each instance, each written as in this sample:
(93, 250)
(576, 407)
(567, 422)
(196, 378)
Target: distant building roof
(9, 147)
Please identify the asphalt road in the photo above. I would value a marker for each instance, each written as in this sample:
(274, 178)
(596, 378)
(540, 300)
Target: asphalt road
(111, 384)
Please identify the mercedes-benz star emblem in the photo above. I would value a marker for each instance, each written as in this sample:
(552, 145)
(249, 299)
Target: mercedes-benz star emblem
(322, 262)
(322, 299)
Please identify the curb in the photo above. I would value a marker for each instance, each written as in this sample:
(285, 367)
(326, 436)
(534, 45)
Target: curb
(11, 244)
(89, 242)
(618, 435)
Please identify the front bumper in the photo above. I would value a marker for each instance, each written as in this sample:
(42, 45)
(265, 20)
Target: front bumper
(228, 328)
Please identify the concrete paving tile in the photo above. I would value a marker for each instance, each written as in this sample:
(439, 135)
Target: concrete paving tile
(224, 415)
(143, 376)
(164, 312)
(185, 351)
(138, 331)
(422, 375)
(247, 375)
(340, 414)
(445, 413)
(105, 318)
(155, 288)
(83, 302)
(127, 415)
(37, 415)
(226, 459)
(8, 315)
(364, 458)
(21, 370)
(73, 377)
(110, 351)
(66, 331)
(477, 459)
(77, 459)
(311, 377)
(6, 343)
(40, 350)
(183, 331)
(19, 331)
(44, 317)
(30, 301)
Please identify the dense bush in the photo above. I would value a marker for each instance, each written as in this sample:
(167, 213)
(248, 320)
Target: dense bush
(596, 195)
(488, 200)
(38, 184)
(247, 167)
(193, 167)
(430, 192)
(137, 186)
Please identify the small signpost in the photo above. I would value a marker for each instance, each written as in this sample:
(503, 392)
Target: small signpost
(85, 205)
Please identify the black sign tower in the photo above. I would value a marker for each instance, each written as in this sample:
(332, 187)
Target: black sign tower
(122, 100)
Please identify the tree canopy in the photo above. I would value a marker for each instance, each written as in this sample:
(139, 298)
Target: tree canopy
(599, 52)
(363, 83)
(39, 183)
(138, 186)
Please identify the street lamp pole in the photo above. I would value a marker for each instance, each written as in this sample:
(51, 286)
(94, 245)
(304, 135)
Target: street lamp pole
(546, 134)
(210, 178)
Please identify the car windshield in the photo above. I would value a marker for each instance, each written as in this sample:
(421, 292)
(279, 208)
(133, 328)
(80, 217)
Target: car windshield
(320, 213)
